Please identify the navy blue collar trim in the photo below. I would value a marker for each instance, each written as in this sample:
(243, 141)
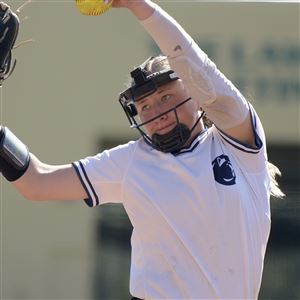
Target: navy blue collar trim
(193, 145)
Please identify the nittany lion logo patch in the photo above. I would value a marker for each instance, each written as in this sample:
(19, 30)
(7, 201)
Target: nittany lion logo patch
(223, 170)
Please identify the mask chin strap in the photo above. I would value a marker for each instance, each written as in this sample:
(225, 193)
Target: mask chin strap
(176, 139)
(197, 121)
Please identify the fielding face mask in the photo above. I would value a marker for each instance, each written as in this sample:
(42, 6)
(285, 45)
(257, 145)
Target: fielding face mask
(145, 86)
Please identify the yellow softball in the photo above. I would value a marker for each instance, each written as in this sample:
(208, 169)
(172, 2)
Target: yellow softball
(93, 7)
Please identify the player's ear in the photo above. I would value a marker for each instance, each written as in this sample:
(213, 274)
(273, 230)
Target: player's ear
(197, 106)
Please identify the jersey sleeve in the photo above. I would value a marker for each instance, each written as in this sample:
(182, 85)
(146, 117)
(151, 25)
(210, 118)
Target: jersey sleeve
(102, 175)
(224, 105)
(252, 158)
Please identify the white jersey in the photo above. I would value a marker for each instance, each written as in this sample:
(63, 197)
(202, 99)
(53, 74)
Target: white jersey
(201, 218)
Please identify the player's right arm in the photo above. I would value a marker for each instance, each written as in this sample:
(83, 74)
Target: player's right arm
(34, 179)
(47, 182)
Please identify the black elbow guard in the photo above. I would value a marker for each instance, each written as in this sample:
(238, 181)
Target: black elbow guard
(14, 155)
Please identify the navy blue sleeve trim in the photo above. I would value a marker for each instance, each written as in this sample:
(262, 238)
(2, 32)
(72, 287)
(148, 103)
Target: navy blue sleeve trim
(93, 199)
(240, 148)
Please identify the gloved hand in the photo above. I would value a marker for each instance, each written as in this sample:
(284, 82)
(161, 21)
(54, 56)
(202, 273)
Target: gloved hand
(9, 28)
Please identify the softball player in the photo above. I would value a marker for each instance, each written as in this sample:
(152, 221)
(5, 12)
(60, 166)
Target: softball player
(197, 196)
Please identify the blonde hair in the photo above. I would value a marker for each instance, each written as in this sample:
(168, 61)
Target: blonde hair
(275, 190)
(156, 64)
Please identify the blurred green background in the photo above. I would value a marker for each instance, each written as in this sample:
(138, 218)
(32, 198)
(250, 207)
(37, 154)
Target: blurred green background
(62, 102)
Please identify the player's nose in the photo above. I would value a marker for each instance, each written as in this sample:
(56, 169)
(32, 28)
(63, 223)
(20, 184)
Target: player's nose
(161, 116)
(159, 112)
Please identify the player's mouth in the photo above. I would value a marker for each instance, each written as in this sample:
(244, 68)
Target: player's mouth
(165, 129)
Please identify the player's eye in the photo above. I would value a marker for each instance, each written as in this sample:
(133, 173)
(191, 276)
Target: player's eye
(145, 107)
(166, 98)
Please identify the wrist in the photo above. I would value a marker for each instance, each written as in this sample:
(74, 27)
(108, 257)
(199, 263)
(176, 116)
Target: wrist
(141, 9)
(14, 155)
